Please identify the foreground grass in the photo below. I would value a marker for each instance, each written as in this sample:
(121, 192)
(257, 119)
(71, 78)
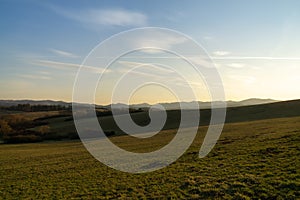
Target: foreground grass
(252, 160)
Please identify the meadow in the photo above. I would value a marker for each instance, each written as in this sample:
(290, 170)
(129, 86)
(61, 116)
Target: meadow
(256, 159)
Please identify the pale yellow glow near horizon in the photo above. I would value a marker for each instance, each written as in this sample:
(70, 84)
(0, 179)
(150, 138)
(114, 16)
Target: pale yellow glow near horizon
(278, 80)
(152, 94)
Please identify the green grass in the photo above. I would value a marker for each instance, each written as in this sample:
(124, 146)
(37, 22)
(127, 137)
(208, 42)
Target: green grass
(252, 160)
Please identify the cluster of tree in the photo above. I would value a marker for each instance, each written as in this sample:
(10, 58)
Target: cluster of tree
(15, 129)
(36, 108)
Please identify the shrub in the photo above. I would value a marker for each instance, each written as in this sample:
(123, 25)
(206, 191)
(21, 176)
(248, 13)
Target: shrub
(5, 128)
(43, 130)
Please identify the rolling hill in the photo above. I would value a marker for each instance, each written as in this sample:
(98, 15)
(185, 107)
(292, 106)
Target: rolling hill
(168, 106)
(234, 114)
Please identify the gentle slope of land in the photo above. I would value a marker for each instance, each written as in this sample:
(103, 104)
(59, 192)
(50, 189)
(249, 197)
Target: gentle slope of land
(234, 114)
(252, 160)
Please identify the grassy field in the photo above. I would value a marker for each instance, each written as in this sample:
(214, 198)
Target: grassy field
(252, 160)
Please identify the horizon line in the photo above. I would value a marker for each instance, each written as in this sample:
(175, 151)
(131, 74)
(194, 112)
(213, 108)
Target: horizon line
(70, 102)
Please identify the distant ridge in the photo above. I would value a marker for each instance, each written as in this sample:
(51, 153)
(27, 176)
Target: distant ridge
(280, 109)
(32, 102)
(168, 106)
(204, 105)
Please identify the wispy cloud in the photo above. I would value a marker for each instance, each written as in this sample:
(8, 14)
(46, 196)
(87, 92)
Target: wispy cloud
(226, 57)
(158, 39)
(63, 53)
(158, 73)
(201, 61)
(112, 17)
(33, 76)
(221, 53)
(236, 65)
(72, 66)
(150, 66)
(255, 58)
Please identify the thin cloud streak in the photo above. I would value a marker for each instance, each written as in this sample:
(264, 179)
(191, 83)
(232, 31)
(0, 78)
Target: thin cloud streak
(109, 17)
(30, 76)
(63, 53)
(61, 65)
(221, 53)
(254, 58)
(164, 77)
(152, 65)
(217, 57)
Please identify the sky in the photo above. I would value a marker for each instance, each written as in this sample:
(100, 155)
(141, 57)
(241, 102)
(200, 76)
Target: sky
(255, 46)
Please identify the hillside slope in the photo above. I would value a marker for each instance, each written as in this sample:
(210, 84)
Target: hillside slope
(234, 114)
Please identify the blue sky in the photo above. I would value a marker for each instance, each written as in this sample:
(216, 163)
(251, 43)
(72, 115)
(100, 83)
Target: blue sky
(254, 44)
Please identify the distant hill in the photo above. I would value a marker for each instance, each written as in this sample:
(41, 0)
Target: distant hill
(63, 126)
(252, 101)
(32, 102)
(204, 105)
(168, 106)
(247, 113)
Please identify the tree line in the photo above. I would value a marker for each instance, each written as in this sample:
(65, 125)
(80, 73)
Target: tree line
(16, 129)
(36, 108)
